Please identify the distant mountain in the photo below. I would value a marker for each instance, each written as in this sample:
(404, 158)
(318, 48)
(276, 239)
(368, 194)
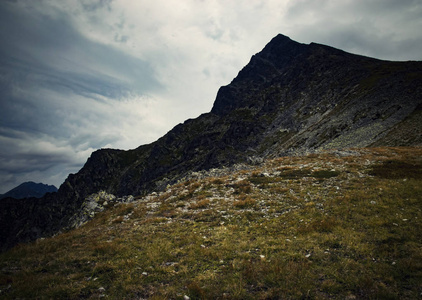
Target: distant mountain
(290, 98)
(29, 189)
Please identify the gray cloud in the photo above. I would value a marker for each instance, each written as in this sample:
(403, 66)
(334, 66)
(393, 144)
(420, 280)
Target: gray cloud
(57, 85)
(383, 29)
(78, 75)
(95, 5)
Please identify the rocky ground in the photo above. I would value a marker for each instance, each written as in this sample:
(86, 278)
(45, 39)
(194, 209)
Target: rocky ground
(332, 224)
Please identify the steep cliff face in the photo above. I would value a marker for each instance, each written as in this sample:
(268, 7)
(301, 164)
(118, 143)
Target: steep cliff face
(291, 97)
(321, 97)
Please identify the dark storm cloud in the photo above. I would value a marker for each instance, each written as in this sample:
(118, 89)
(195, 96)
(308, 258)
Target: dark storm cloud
(50, 78)
(52, 52)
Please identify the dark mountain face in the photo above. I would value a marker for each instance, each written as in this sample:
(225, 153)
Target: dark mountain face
(29, 189)
(291, 97)
(320, 97)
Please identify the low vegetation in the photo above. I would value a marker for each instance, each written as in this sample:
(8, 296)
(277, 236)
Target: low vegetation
(337, 224)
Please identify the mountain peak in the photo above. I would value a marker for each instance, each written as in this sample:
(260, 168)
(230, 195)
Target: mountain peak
(280, 41)
(289, 99)
(278, 54)
(281, 38)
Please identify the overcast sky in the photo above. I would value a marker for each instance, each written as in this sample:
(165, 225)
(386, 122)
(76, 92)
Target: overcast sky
(76, 76)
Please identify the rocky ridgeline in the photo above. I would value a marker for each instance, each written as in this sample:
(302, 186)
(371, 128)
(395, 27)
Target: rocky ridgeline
(226, 178)
(100, 201)
(290, 99)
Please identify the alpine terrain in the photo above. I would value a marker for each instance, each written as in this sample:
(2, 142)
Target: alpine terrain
(310, 159)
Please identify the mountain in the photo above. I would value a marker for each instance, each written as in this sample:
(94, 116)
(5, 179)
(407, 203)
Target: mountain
(29, 189)
(290, 98)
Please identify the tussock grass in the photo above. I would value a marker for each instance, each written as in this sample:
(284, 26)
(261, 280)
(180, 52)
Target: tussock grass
(203, 203)
(317, 227)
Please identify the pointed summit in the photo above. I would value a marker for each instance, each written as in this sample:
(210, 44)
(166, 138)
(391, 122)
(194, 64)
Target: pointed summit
(282, 46)
(263, 67)
(280, 40)
(279, 52)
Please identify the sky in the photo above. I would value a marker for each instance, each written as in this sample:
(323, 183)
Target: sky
(80, 75)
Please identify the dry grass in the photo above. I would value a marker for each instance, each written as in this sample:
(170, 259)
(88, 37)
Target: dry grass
(316, 226)
(203, 203)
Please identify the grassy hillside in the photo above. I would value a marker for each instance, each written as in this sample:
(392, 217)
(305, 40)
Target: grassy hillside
(337, 224)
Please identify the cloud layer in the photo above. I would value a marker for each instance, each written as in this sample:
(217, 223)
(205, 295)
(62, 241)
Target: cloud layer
(76, 76)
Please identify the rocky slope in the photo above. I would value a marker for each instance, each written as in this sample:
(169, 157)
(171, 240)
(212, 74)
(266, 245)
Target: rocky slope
(338, 224)
(290, 98)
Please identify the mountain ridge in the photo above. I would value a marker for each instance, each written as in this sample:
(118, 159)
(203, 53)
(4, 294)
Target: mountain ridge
(29, 189)
(289, 98)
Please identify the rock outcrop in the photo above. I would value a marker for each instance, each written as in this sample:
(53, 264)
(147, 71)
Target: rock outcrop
(291, 97)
